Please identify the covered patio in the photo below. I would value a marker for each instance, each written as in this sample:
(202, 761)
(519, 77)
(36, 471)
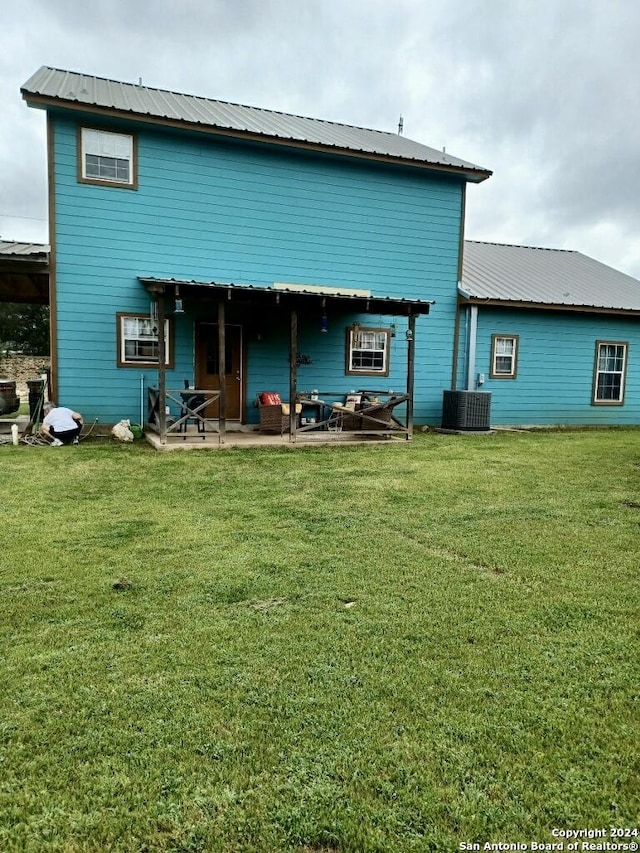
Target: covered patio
(382, 414)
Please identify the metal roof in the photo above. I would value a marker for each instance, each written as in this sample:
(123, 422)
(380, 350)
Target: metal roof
(13, 249)
(53, 86)
(545, 277)
(379, 304)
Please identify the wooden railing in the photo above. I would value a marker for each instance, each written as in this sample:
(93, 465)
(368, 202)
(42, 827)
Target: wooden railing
(375, 413)
(189, 404)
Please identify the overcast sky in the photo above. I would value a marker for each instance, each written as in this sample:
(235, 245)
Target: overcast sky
(546, 93)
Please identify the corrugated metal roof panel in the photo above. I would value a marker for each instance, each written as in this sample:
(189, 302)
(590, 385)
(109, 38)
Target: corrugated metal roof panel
(15, 249)
(422, 305)
(83, 89)
(545, 276)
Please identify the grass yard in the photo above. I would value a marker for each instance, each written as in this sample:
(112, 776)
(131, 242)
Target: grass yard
(395, 648)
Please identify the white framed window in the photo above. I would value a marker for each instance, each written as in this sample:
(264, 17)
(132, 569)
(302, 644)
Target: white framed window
(610, 373)
(138, 341)
(107, 157)
(368, 351)
(504, 356)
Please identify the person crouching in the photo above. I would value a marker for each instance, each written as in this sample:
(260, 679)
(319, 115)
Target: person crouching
(61, 425)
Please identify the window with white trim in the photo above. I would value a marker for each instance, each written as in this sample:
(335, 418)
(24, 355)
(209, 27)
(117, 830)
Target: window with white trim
(504, 356)
(106, 157)
(138, 340)
(368, 351)
(610, 372)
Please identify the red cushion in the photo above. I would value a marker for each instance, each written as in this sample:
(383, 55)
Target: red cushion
(270, 398)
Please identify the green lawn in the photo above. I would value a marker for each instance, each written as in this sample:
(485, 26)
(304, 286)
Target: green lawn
(388, 648)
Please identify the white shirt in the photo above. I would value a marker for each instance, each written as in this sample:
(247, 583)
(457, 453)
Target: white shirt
(61, 419)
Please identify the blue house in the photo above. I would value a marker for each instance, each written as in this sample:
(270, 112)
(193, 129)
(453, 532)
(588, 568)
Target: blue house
(553, 335)
(202, 245)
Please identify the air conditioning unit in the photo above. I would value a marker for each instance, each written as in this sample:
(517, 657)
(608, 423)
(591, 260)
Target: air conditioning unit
(466, 410)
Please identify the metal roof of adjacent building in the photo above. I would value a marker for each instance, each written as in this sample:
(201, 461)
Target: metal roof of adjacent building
(527, 275)
(49, 86)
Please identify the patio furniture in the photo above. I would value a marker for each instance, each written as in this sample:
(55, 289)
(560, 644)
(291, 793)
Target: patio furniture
(192, 404)
(274, 414)
(363, 412)
(368, 415)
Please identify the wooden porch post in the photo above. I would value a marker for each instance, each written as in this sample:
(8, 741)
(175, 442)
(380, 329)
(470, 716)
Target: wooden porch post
(222, 373)
(411, 343)
(162, 370)
(293, 373)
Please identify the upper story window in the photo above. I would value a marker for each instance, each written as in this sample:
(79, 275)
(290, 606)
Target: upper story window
(138, 341)
(504, 356)
(610, 373)
(107, 158)
(368, 351)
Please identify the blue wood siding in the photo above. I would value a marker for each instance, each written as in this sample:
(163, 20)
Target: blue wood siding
(247, 214)
(555, 368)
(270, 367)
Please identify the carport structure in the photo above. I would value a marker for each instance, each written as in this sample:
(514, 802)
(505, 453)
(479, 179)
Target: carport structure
(24, 272)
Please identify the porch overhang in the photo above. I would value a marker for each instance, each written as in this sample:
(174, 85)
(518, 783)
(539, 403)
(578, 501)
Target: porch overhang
(294, 299)
(297, 295)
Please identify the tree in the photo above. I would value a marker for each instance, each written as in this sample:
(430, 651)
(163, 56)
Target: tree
(24, 328)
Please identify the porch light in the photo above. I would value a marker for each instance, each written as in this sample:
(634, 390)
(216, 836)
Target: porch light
(409, 335)
(178, 308)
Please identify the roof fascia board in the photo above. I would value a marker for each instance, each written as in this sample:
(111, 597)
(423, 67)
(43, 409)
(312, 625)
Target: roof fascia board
(44, 102)
(546, 306)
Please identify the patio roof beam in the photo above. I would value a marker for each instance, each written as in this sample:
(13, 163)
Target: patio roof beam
(261, 295)
(293, 372)
(162, 369)
(411, 345)
(222, 372)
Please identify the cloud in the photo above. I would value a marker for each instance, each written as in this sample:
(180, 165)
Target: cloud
(543, 93)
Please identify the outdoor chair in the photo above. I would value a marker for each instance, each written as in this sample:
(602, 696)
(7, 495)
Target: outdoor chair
(191, 401)
(274, 414)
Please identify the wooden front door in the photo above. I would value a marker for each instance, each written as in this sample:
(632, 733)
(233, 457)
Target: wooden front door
(207, 372)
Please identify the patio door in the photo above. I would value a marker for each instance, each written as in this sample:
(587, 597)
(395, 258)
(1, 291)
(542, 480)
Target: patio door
(207, 367)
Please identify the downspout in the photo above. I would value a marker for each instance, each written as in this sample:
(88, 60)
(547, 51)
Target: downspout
(471, 337)
(456, 346)
(456, 328)
(471, 352)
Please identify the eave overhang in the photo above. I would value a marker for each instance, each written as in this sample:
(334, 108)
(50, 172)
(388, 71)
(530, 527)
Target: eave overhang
(546, 306)
(56, 103)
